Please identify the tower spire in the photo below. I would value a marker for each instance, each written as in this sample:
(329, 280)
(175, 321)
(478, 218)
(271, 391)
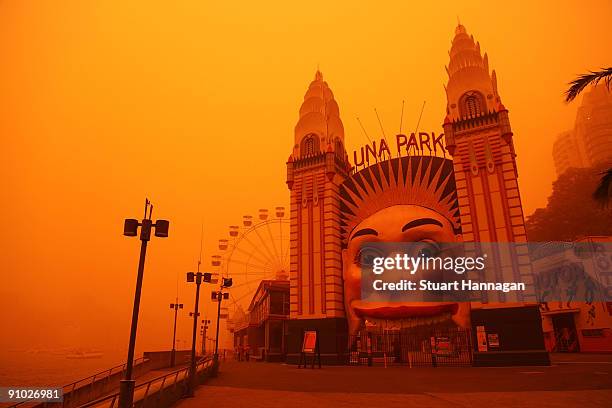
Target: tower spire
(468, 70)
(319, 121)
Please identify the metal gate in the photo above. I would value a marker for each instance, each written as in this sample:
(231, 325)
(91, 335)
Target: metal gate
(423, 347)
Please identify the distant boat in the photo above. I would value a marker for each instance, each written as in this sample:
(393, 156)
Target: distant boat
(84, 354)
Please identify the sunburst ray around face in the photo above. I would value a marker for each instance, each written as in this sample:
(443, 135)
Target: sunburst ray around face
(425, 181)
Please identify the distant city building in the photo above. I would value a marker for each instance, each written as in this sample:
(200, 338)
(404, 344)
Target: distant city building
(590, 142)
(566, 153)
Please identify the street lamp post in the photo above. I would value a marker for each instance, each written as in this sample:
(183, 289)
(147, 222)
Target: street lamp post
(203, 329)
(176, 306)
(196, 277)
(130, 229)
(219, 296)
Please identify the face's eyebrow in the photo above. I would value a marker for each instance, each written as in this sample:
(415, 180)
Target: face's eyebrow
(365, 231)
(421, 221)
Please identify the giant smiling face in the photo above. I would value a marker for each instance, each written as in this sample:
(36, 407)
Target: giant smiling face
(397, 223)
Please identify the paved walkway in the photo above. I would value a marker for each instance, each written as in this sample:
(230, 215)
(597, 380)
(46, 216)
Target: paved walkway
(153, 374)
(576, 380)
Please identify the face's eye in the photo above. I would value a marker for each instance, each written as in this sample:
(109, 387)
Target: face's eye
(427, 249)
(365, 256)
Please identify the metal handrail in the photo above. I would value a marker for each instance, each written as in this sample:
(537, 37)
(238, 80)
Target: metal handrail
(108, 371)
(71, 387)
(113, 398)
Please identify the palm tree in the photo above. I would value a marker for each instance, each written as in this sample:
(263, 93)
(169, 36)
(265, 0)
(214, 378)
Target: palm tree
(603, 193)
(593, 77)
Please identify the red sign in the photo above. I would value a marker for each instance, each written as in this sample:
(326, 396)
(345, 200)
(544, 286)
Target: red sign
(310, 341)
(443, 346)
(493, 339)
(481, 337)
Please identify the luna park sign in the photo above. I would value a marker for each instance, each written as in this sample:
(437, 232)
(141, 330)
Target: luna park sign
(421, 143)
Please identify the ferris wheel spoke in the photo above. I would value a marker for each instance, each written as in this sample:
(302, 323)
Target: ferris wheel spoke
(263, 261)
(237, 308)
(263, 241)
(257, 248)
(235, 304)
(246, 263)
(286, 256)
(276, 255)
(255, 269)
(269, 257)
(251, 274)
(242, 297)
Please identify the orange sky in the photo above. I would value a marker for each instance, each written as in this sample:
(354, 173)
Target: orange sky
(193, 105)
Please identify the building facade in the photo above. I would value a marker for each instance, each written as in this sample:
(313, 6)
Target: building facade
(475, 197)
(575, 318)
(262, 329)
(568, 153)
(589, 143)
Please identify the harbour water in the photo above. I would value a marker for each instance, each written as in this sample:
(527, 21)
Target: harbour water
(54, 367)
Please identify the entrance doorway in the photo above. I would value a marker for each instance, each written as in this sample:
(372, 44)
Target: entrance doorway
(566, 337)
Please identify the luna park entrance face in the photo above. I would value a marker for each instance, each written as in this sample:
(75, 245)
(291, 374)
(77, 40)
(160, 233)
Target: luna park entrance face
(414, 347)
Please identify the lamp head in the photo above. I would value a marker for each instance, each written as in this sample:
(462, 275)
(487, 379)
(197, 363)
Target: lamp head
(161, 228)
(130, 227)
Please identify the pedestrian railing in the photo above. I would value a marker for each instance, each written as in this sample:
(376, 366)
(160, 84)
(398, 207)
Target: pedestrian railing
(423, 347)
(87, 388)
(91, 382)
(161, 391)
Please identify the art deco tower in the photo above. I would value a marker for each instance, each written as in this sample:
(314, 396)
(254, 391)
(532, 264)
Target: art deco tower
(316, 166)
(479, 137)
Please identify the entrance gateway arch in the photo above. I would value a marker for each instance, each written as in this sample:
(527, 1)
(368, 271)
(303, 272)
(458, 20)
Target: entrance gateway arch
(470, 188)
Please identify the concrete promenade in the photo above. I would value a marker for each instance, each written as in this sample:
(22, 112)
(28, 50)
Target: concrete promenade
(573, 380)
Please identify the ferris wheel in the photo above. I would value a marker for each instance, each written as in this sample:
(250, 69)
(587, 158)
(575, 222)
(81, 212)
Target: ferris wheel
(254, 251)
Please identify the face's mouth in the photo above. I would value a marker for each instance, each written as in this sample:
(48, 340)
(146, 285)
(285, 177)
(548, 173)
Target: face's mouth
(405, 311)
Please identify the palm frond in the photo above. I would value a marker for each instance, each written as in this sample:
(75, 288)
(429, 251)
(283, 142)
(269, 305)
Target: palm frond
(603, 192)
(593, 77)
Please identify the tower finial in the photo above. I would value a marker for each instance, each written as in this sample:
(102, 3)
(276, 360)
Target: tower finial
(460, 27)
(318, 74)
